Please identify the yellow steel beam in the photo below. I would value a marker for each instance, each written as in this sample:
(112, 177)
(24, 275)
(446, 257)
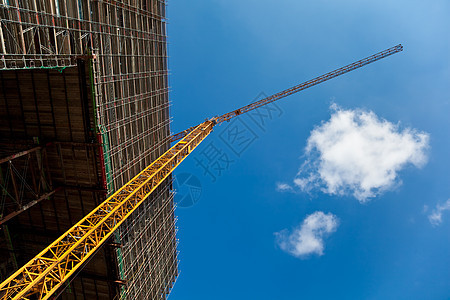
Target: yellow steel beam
(45, 273)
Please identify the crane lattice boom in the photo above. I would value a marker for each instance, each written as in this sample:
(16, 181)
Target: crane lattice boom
(298, 88)
(46, 272)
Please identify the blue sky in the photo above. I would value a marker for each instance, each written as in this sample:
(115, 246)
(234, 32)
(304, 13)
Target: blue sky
(224, 54)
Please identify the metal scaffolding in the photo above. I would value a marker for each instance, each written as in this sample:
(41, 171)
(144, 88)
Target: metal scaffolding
(86, 82)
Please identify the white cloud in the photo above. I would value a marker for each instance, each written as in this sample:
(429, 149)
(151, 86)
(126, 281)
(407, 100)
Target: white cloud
(358, 153)
(307, 238)
(283, 187)
(436, 215)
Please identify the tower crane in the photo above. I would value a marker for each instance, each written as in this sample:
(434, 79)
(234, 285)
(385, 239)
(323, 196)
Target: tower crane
(51, 268)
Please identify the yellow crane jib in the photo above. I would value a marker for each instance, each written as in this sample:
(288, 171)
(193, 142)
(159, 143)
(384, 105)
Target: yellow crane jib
(353, 66)
(45, 273)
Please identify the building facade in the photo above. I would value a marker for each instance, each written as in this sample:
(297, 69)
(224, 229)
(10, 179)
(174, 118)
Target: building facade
(84, 107)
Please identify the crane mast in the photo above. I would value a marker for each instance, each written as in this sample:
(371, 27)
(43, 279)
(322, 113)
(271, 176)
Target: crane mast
(50, 269)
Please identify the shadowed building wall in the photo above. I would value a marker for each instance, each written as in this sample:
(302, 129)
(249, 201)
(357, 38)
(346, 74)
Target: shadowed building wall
(83, 108)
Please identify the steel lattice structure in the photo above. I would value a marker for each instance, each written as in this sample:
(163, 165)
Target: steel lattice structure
(87, 82)
(298, 88)
(53, 266)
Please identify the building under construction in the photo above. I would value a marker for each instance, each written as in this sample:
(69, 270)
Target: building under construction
(83, 108)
